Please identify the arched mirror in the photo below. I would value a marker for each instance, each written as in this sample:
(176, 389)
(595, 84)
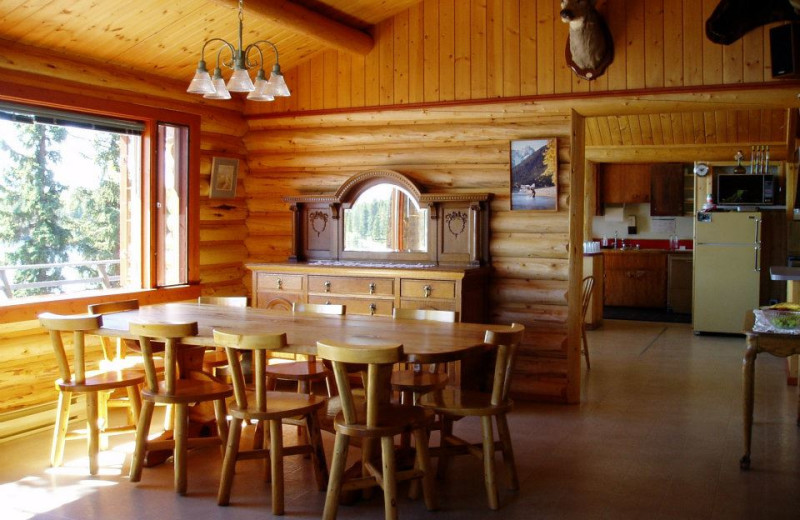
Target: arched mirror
(386, 219)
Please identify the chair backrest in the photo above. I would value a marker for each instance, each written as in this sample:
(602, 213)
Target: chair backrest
(319, 308)
(379, 360)
(586, 294)
(171, 334)
(506, 342)
(111, 351)
(225, 301)
(79, 325)
(258, 344)
(425, 314)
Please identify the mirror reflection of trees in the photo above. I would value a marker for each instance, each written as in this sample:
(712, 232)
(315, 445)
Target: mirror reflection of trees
(384, 218)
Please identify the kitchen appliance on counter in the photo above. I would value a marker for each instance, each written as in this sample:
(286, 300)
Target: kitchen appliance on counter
(727, 264)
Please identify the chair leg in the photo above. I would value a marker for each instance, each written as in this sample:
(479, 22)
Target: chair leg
(134, 404)
(444, 455)
(389, 478)
(221, 415)
(142, 431)
(340, 446)
(94, 430)
(488, 462)
(102, 417)
(276, 465)
(508, 451)
(317, 451)
(424, 463)
(179, 456)
(60, 431)
(585, 347)
(229, 462)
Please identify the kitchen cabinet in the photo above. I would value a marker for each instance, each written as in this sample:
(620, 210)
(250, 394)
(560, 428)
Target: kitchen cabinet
(679, 282)
(635, 279)
(624, 183)
(666, 189)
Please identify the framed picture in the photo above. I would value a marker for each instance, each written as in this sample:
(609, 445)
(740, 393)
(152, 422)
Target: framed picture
(534, 174)
(223, 178)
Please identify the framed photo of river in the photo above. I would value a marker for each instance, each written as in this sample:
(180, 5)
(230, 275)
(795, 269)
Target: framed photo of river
(534, 175)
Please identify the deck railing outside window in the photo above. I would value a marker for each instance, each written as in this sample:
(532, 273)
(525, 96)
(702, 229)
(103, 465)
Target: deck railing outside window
(101, 267)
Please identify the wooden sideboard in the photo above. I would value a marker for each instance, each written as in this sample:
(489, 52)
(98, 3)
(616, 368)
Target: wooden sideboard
(373, 290)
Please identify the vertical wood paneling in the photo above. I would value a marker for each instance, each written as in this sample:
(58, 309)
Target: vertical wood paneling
(431, 57)
(654, 43)
(753, 55)
(462, 65)
(693, 36)
(494, 48)
(447, 50)
(330, 69)
(358, 82)
(317, 77)
(527, 47)
(344, 89)
(386, 49)
(673, 48)
(416, 54)
(712, 52)
(511, 49)
(478, 49)
(562, 73)
(401, 51)
(372, 63)
(732, 66)
(617, 72)
(544, 48)
(635, 41)
(304, 87)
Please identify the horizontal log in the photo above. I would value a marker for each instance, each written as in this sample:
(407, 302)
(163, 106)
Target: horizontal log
(277, 247)
(223, 254)
(215, 274)
(550, 292)
(223, 210)
(549, 317)
(270, 224)
(531, 268)
(673, 153)
(522, 221)
(230, 145)
(214, 232)
(529, 245)
(19, 329)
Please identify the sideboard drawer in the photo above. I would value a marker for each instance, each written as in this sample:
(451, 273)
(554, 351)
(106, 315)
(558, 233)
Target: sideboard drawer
(351, 285)
(280, 282)
(368, 306)
(436, 305)
(440, 289)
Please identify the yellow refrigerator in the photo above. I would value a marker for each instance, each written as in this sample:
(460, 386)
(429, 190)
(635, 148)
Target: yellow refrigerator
(727, 265)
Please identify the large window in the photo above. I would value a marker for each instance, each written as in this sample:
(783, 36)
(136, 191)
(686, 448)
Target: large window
(77, 211)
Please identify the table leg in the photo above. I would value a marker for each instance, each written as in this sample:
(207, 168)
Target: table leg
(748, 373)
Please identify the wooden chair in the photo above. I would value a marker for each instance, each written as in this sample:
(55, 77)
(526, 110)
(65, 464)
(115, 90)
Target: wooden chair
(586, 296)
(411, 382)
(178, 390)
(266, 407)
(377, 419)
(216, 358)
(311, 371)
(89, 383)
(454, 403)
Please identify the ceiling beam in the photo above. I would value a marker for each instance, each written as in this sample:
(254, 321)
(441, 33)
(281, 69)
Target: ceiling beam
(310, 23)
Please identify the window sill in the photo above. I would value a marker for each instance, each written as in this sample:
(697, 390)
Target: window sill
(12, 311)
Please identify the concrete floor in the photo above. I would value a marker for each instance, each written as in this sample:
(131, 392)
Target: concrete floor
(657, 436)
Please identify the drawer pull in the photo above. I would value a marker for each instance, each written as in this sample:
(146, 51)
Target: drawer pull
(427, 290)
(327, 286)
(372, 309)
(372, 288)
(279, 283)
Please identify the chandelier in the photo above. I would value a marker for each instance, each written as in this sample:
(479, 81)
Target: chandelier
(239, 62)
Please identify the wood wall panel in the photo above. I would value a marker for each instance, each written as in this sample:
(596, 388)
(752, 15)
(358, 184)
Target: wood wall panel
(530, 250)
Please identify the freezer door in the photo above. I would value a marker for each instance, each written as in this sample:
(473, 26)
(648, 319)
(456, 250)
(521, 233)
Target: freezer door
(731, 227)
(726, 285)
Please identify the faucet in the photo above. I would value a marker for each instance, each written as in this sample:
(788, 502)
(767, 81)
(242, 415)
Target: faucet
(615, 239)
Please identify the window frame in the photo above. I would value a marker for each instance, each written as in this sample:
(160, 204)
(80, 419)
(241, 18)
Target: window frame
(150, 117)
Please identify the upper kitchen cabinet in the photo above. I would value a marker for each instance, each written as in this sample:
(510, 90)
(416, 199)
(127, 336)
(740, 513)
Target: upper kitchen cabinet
(624, 183)
(666, 189)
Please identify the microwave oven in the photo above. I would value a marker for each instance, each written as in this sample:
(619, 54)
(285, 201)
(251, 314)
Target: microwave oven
(734, 189)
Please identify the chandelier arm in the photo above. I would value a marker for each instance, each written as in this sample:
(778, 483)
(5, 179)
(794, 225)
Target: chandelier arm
(247, 62)
(274, 48)
(225, 44)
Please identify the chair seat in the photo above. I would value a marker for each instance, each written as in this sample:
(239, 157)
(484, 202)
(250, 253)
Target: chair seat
(279, 406)
(455, 401)
(395, 419)
(189, 391)
(215, 358)
(419, 382)
(96, 381)
(298, 371)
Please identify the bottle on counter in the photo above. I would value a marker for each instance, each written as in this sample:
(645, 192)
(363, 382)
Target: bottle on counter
(673, 242)
(604, 241)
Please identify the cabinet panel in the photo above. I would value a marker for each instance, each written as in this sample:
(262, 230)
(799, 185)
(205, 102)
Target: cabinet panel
(280, 282)
(624, 183)
(277, 300)
(666, 189)
(351, 285)
(635, 279)
(428, 304)
(368, 306)
(427, 289)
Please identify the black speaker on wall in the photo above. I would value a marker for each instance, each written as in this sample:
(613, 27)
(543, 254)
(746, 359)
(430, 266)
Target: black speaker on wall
(784, 43)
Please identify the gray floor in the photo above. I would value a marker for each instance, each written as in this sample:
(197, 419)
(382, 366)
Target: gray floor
(658, 435)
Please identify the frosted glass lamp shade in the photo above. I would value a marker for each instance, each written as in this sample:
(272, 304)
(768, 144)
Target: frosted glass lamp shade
(240, 81)
(201, 82)
(278, 84)
(220, 92)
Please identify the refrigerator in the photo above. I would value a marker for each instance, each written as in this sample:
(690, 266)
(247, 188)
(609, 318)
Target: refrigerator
(727, 265)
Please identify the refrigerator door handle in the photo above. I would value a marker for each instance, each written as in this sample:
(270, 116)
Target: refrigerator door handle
(757, 246)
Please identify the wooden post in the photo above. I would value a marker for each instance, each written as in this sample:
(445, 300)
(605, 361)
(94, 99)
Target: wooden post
(576, 216)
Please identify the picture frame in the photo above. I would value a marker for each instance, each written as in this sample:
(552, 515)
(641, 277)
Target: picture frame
(534, 174)
(224, 171)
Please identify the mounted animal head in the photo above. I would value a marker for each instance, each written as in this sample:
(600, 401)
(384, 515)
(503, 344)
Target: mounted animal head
(590, 47)
(732, 19)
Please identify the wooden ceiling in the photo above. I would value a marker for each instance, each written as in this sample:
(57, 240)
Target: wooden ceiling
(165, 37)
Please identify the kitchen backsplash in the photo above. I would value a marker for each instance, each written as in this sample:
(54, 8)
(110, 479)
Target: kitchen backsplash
(647, 227)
